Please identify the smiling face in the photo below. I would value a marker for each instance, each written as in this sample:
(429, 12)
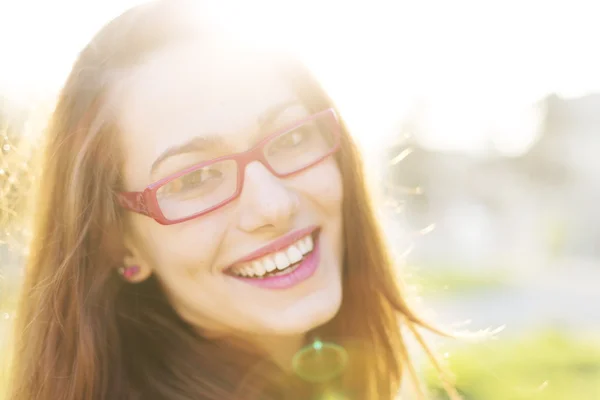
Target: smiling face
(268, 262)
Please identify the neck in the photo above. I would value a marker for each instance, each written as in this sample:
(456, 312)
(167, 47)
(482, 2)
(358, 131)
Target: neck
(280, 349)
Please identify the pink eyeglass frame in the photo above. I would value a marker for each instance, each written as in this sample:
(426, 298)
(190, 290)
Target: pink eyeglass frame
(146, 202)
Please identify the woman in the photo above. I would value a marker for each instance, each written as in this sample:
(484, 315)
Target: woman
(202, 217)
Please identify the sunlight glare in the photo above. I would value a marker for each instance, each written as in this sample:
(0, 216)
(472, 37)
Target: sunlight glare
(375, 58)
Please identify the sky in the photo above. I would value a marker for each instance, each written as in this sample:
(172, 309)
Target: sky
(475, 68)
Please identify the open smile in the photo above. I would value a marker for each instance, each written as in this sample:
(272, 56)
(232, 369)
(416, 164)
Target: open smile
(281, 264)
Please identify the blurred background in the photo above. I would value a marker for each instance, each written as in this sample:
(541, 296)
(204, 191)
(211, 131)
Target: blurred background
(480, 124)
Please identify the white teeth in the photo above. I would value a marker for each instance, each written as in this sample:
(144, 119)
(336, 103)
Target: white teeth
(308, 241)
(269, 264)
(281, 261)
(302, 246)
(294, 254)
(258, 268)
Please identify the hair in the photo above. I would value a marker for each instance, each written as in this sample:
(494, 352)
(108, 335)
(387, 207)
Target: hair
(84, 333)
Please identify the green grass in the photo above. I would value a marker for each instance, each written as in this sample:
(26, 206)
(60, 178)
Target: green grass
(8, 301)
(5, 354)
(441, 282)
(546, 366)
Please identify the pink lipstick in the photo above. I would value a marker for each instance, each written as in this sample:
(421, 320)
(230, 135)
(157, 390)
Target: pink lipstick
(281, 264)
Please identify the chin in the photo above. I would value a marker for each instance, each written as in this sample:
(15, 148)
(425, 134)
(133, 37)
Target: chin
(306, 314)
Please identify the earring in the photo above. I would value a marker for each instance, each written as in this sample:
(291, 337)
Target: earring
(129, 272)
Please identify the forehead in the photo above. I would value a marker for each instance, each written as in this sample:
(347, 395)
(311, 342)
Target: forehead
(189, 91)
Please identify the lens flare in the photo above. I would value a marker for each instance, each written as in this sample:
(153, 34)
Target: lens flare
(320, 361)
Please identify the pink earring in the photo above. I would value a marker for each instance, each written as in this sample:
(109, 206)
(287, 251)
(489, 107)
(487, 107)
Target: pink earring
(129, 272)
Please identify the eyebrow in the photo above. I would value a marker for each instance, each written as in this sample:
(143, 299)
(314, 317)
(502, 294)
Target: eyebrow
(200, 143)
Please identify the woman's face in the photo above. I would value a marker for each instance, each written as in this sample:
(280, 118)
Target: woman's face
(219, 104)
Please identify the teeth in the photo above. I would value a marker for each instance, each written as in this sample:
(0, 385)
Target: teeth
(302, 246)
(294, 254)
(269, 264)
(281, 261)
(308, 242)
(258, 268)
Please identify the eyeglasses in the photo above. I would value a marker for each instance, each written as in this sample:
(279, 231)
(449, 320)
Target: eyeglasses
(209, 185)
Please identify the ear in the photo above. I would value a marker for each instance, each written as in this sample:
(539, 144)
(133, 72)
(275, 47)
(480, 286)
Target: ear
(135, 267)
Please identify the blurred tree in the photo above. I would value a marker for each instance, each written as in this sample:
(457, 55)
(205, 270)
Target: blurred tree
(16, 176)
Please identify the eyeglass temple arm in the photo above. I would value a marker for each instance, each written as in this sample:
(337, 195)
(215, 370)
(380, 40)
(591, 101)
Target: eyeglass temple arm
(133, 201)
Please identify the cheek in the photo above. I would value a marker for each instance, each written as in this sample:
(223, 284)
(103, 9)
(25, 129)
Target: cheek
(323, 183)
(186, 248)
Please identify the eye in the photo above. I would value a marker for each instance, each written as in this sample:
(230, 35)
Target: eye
(294, 139)
(291, 140)
(197, 179)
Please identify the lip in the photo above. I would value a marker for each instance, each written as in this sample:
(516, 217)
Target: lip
(276, 245)
(305, 270)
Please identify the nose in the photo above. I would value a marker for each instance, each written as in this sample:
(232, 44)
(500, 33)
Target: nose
(265, 202)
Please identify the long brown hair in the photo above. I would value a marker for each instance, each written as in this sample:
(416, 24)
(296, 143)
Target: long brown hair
(83, 333)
